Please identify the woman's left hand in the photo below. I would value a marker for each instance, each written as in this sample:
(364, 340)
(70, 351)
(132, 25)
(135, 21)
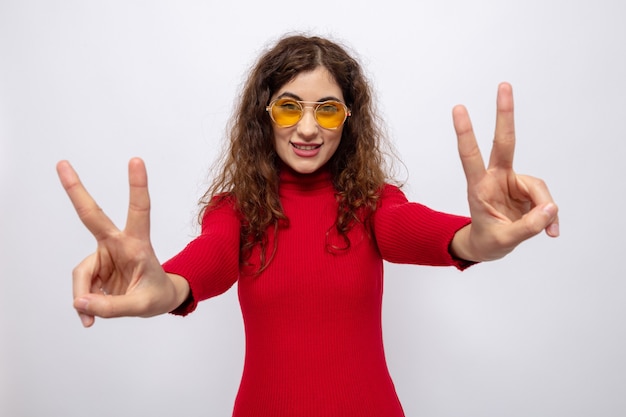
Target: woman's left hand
(506, 208)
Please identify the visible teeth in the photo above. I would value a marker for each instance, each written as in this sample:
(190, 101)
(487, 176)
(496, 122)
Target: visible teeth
(305, 147)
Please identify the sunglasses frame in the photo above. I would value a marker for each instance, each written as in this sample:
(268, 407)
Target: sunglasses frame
(314, 105)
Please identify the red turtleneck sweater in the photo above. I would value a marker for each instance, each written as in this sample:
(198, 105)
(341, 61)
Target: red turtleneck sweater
(313, 317)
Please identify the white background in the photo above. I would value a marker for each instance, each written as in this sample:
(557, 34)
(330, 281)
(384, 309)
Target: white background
(540, 333)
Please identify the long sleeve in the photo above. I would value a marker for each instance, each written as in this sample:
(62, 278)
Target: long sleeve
(412, 233)
(210, 263)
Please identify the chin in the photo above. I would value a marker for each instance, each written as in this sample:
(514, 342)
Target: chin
(304, 168)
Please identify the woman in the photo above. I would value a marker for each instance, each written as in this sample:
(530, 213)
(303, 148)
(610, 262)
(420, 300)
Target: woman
(302, 216)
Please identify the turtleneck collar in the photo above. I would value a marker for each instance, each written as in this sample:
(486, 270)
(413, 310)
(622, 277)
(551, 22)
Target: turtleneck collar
(292, 180)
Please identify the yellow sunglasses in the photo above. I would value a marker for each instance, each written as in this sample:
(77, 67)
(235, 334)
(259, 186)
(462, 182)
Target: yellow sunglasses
(286, 112)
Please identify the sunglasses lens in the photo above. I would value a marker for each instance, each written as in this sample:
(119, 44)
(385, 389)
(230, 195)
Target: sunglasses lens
(286, 112)
(330, 114)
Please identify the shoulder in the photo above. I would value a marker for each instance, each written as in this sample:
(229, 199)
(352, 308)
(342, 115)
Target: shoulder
(391, 195)
(221, 208)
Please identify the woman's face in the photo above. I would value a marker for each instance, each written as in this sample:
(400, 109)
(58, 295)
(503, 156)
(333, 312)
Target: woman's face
(306, 146)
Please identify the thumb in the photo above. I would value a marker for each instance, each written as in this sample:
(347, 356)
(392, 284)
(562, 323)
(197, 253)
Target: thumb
(542, 217)
(89, 306)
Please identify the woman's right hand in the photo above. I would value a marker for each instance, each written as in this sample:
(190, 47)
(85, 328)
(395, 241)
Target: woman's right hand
(123, 277)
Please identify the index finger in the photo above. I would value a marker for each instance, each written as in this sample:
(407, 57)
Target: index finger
(469, 152)
(88, 211)
(504, 140)
(138, 218)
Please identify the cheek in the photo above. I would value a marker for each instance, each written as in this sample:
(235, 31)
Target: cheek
(280, 142)
(281, 136)
(335, 141)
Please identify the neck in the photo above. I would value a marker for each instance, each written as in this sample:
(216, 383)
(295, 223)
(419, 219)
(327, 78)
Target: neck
(292, 179)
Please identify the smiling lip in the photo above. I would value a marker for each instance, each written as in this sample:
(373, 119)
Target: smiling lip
(305, 150)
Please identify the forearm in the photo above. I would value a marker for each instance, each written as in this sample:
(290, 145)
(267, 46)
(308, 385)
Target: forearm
(413, 233)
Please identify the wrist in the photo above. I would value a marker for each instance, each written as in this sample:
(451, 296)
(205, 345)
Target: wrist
(460, 246)
(181, 290)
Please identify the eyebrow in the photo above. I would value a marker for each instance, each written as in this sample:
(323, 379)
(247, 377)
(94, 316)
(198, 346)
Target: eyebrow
(298, 98)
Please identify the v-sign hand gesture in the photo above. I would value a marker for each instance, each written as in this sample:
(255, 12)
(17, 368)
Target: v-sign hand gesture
(123, 277)
(506, 208)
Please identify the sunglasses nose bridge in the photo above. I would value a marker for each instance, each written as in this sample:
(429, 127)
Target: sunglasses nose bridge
(311, 106)
(306, 104)
(308, 118)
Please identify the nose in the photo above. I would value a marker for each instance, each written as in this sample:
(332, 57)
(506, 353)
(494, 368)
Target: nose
(307, 126)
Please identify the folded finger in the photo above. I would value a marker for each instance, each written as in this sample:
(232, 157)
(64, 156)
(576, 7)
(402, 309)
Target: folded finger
(82, 282)
(544, 214)
(83, 275)
(533, 189)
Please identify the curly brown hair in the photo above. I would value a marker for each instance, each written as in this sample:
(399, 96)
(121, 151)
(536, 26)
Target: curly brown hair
(249, 171)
